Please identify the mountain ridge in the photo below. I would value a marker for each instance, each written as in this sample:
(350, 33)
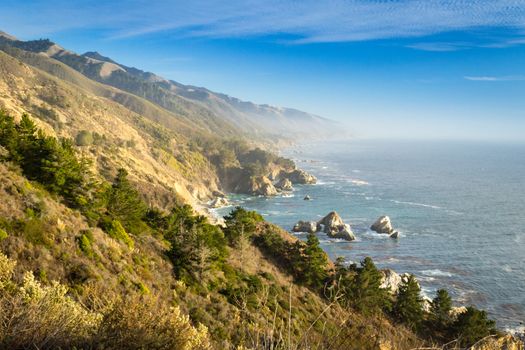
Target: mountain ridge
(261, 120)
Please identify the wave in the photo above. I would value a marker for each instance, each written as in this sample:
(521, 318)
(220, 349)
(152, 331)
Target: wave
(359, 182)
(436, 273)
(415, 204)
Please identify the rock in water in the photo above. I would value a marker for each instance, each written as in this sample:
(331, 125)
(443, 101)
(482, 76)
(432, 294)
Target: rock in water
(284, 185)
(306, 226)
(299, 176)
(394, 234)
(383, 225)
(219, 202)
(334, 227)
(307, 198)
(344, 232)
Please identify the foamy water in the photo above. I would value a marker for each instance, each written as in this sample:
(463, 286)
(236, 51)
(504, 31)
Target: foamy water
(459, 207)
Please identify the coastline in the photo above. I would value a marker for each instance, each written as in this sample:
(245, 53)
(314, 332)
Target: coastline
(432, 274)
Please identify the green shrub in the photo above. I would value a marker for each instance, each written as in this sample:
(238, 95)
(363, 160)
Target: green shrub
(84, 138)
(3, 235)
(85, 243)
(472, 326)
(116, 231)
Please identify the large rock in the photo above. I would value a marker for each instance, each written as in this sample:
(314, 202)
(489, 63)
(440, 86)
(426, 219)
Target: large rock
(257, 186)
(390, 280)
(306, 226)
(334, 227)
(384, 225)
(284, 185)
(343, 232)
(299, 176)
(219, 202)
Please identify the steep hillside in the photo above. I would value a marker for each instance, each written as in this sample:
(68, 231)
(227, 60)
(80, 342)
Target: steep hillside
(162, 163)
(209, 110)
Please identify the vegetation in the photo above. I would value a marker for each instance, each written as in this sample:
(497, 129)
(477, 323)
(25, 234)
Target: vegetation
(112, 293)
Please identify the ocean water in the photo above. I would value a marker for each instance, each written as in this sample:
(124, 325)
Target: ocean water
(460, 209)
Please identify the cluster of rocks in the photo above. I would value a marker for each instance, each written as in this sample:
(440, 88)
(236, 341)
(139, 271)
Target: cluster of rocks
(273, 185)
(331, 224)
(334, 227)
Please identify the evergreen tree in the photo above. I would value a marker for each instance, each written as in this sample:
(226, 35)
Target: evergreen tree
(125, 203)
(241, 221)
(472, 326)
(409, 304)
(365, 293)
(440, 310)
(314, 264)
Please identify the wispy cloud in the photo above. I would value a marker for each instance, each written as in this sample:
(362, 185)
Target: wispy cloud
(494, 78)
(308, 21)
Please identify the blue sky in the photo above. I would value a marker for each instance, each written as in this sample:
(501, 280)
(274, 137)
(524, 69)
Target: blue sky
(387, 68)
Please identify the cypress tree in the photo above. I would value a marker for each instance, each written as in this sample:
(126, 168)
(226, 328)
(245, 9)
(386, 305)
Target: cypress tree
(472, 326)
(314, 263)
(366, 294)
(440, 310)
(409, 304)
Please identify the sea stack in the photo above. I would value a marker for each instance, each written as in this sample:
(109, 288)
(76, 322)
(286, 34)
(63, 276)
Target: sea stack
(334, 226)
(384, 225)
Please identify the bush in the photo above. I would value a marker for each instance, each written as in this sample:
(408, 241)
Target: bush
(145, 322)
(85, 243)
(116, 231)
(84, 138)
(41, 317)
(473, 325)
(3, 235)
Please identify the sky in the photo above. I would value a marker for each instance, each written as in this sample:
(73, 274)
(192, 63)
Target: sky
(440, 69)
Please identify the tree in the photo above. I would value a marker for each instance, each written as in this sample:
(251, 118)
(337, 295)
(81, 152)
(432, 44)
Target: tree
(409, 304)
(366, 294)
(125, 203)
(473, 325)
(240, 221)
(314, 263)
(440, 310)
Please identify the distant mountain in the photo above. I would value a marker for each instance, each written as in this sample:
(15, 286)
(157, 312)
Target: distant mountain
(211, 111)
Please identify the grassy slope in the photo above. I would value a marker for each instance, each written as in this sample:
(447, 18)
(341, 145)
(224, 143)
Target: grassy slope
(64, 109)
(43, 237)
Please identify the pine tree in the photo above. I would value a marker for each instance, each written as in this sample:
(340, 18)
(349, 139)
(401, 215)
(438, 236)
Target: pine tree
(440, 310)
(314, 263)
(365, 293)
(240, 221)
(409, 304)
(125, 203)
(472, 326)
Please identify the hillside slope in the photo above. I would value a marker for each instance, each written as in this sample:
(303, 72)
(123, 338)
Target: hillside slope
(215, 112)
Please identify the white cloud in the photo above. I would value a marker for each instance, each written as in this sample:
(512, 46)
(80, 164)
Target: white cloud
(493, 78)
(308, 21)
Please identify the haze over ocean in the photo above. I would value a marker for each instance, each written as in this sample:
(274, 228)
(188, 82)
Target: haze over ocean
(458, 205)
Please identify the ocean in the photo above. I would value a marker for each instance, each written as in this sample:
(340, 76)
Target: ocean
(459, 206)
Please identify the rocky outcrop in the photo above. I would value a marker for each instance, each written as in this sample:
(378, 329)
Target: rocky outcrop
(219, 202)
(331, 224)
(257, 186)
(284, 185)
(306, 226)
(384, 225)
(299, 176)
(263, 187)
(505, 342)
(344, 232)
(390, 280)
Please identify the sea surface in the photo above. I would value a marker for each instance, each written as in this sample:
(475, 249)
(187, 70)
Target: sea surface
(459, 206)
